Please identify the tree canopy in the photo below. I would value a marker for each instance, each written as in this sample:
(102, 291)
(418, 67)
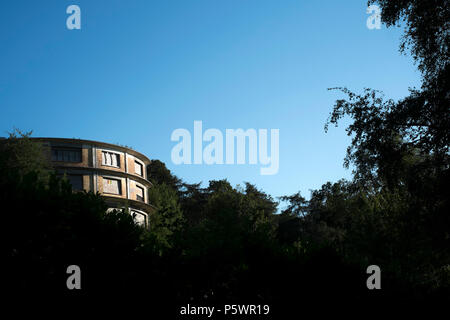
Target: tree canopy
(221, 243)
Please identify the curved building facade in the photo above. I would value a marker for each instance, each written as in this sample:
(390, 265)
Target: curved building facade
(118, 173)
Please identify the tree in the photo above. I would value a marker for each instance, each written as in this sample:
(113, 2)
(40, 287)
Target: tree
(20, 154)
(427, 24)
(159, 174)
(168, 217)
(423, 116)
(400, 153)
(46, 227)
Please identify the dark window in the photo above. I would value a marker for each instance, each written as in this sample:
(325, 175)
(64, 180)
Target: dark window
(76, 181)
(139, 193)
(66, 154)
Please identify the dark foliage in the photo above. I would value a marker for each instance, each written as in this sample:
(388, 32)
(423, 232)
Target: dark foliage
(223, 244)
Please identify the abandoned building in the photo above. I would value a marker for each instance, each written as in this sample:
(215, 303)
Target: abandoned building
(117, 173)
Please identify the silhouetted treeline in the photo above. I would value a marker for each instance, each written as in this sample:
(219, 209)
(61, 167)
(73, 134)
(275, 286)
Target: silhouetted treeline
(225, 244)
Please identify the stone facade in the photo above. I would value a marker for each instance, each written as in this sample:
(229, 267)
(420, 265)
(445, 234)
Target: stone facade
(118, 173)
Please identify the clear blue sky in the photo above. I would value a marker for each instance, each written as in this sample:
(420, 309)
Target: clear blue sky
(137, 70)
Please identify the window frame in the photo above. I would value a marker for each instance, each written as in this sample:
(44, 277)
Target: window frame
(134, 212)
(139, 162)
(119, 185)
(67, 151)
(111, 152)
(143, 193)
